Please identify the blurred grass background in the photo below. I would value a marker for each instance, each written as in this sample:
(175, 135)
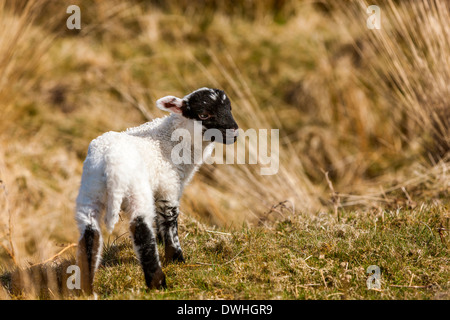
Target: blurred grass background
(364, 115)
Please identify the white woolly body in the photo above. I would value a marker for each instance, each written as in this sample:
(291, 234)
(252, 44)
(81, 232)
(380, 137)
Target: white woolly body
(131, 170)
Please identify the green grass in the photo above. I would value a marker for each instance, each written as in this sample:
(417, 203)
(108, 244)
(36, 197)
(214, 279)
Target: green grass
(298, 257)
(294, 256)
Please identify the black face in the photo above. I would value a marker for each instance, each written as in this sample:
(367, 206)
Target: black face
(213, 108)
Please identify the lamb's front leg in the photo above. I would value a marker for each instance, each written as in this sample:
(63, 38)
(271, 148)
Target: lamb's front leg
(167, 225)
(147, 250)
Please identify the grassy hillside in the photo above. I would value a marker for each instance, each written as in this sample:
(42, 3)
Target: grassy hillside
(295, 257)
(363, 117)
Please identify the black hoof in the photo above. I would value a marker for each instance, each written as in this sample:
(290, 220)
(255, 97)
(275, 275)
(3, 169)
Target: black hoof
(157, 280)
(178, 257)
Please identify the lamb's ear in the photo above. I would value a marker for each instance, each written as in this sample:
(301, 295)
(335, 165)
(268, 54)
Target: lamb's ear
(170, 103)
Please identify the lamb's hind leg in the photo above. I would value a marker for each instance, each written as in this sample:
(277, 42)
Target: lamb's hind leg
(167, 225)
(88, 255)
(147, 251)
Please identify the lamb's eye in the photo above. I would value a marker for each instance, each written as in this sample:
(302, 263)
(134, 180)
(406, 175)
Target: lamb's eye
(204, 116)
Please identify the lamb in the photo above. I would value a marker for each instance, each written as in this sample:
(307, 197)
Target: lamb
(133, 171)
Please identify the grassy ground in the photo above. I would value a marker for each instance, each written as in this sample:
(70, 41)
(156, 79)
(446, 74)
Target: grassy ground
(301, 258)
(293, 257)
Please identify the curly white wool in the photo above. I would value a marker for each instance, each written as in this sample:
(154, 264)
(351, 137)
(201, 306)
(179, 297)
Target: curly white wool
(130, 170)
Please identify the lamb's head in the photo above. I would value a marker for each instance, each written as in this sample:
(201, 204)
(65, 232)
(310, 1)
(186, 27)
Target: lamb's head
(210, 107)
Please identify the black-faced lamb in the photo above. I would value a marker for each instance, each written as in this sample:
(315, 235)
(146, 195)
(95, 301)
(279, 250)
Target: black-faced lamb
(134, 171)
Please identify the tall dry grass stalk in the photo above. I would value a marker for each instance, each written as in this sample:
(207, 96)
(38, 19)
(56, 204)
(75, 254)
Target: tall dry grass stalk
(22, 47)
(23, 57)
(409, 65)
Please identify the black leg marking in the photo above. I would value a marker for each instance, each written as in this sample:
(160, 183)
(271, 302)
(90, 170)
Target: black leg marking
(160, 203)
(88, 256)
(167, 223)
(145, 244)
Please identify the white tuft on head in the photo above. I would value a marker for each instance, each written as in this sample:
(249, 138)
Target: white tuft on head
(201, 89)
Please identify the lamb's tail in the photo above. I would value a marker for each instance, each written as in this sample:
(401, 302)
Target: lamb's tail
(115, 194)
